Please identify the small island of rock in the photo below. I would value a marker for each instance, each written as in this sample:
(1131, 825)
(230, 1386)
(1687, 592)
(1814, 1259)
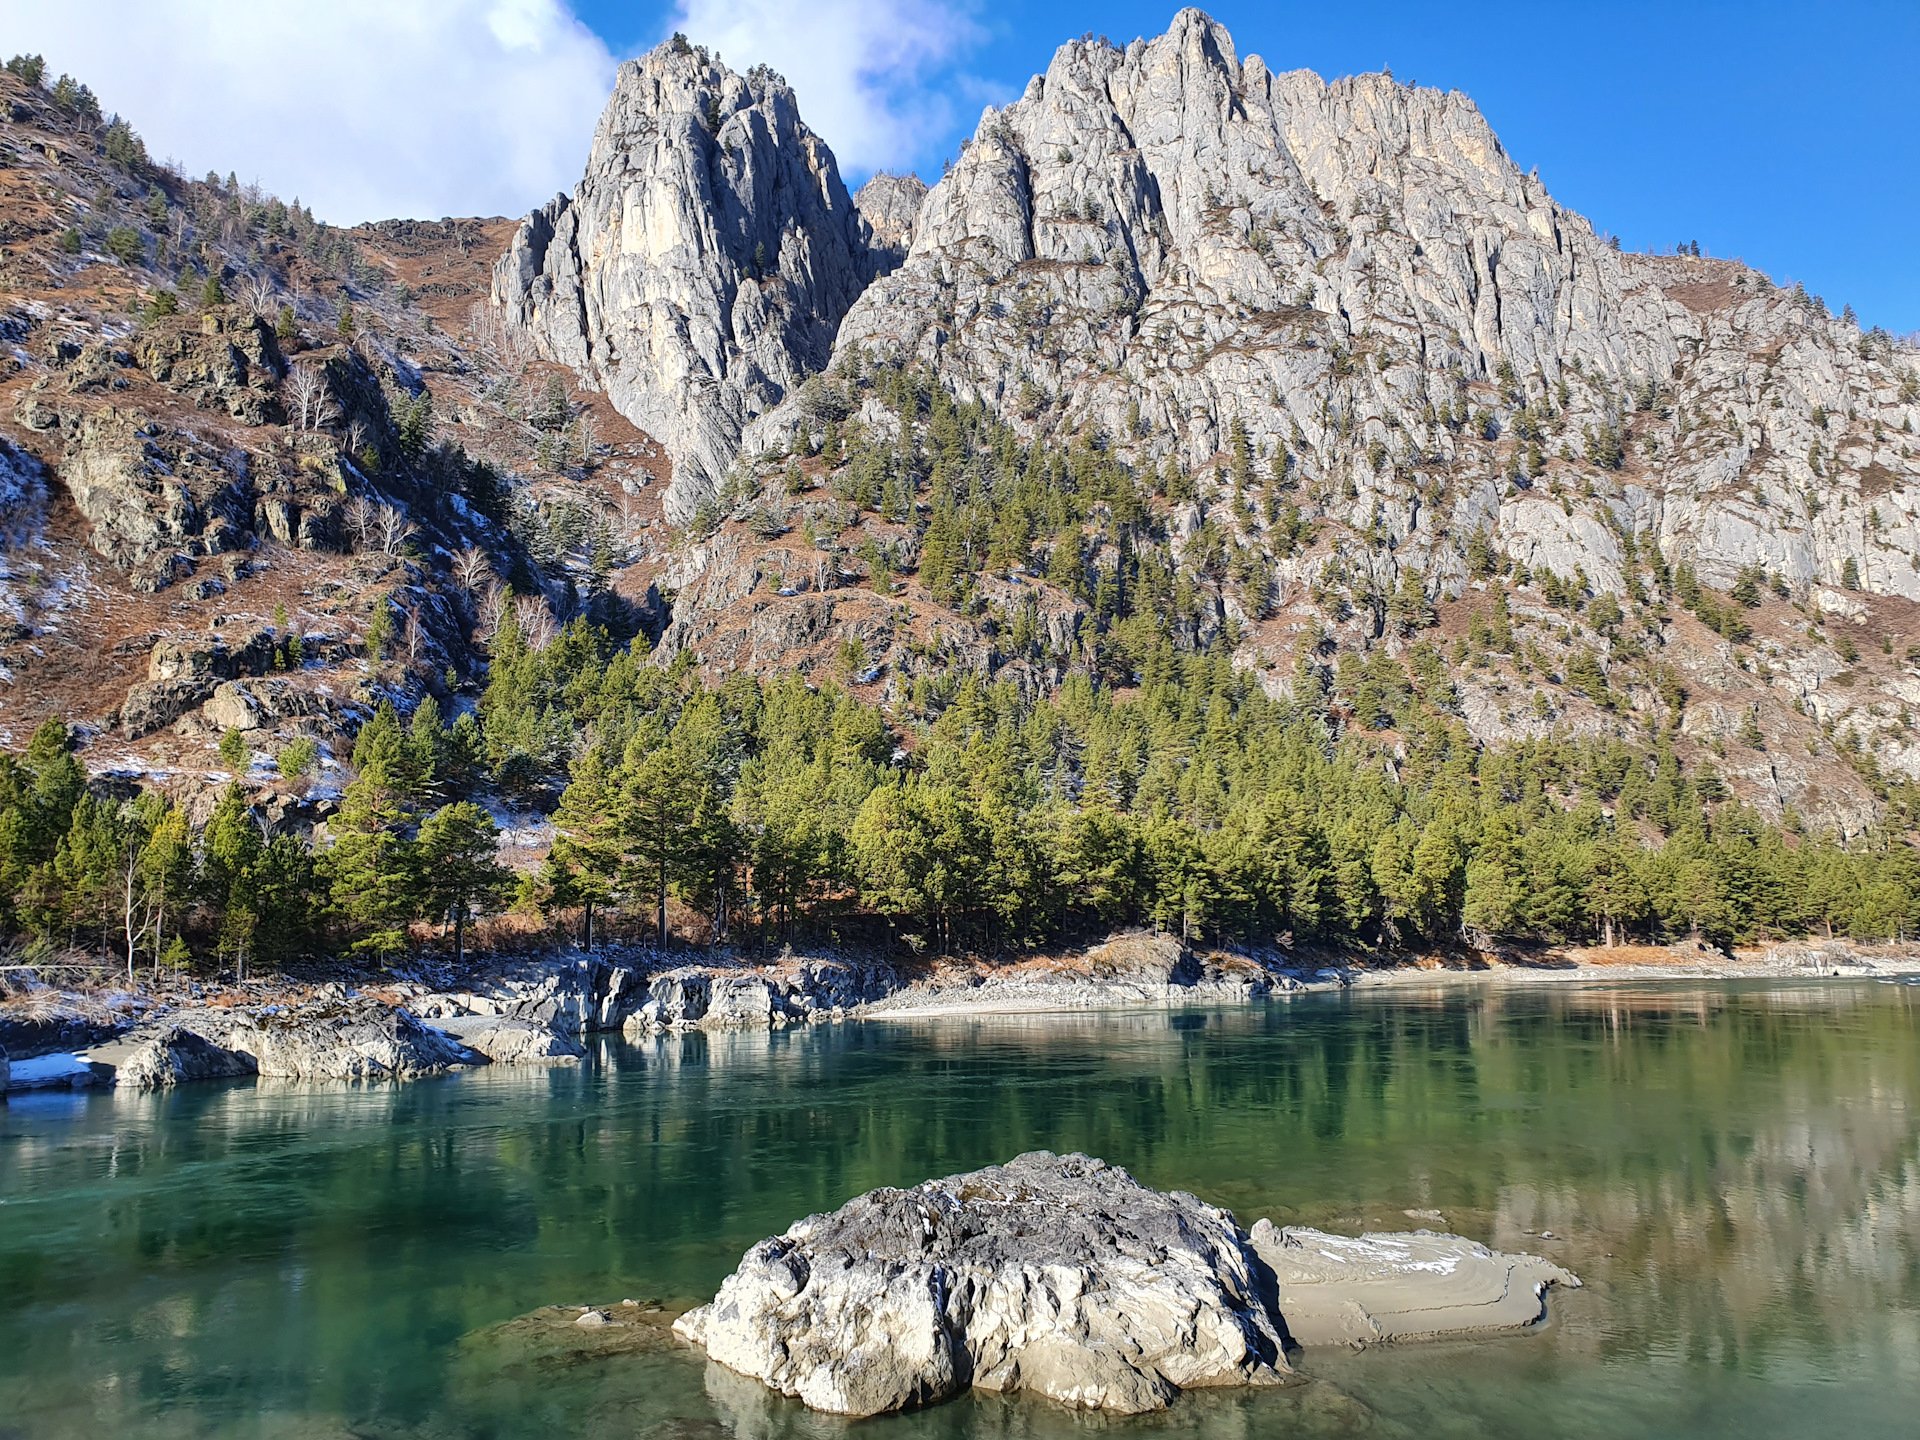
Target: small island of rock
(1064, 1276)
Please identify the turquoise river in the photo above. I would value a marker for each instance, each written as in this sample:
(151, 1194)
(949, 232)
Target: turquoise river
(1733, 1168)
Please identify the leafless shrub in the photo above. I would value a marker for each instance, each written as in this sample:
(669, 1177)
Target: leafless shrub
(309, 401)
(472, 567)
(536, 621)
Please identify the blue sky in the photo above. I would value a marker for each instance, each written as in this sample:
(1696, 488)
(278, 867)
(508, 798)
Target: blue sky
(1785, 134)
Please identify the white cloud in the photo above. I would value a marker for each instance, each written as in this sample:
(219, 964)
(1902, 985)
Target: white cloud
(861, 68)
(363, 108)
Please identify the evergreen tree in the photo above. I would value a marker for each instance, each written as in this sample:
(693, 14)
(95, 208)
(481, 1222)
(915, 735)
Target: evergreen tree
(456, 859)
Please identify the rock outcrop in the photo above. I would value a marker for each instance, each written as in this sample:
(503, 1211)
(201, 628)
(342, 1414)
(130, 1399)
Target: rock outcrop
(160, 1056)
(505, 1041)
(706, 998)
(1058, 1275)
(702, 265)
(1063, 1276)
(568, 995)
(889, 207)
(154, 498)
(337, 1040)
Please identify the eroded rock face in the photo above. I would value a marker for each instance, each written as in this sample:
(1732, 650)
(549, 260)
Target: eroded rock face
(702, 265)
(1059, 1275)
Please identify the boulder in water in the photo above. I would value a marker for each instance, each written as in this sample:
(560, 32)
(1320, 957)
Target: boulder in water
(1062, 1275)
(1058, 1274)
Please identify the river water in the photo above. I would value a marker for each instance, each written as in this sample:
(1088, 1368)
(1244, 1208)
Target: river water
(1734, 1170)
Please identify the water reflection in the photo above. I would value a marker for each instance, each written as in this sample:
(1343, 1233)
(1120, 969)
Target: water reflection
(1735, 1170)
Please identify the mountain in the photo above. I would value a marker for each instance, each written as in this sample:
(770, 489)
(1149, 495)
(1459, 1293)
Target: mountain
(1182, 356)
(1352, 352)
(259, 474)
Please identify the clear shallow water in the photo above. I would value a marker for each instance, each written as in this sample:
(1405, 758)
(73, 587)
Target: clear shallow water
(1735, 1171)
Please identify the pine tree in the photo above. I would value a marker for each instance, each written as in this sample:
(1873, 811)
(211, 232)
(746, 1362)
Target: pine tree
(371, 867)
(456, 855)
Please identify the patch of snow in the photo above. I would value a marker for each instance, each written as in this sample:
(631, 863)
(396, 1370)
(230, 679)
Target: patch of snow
(50, 1072)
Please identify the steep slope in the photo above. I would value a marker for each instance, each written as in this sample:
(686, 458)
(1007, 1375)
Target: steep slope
(1364, 368)
(259, 474)
(1161, 241)
(700, 268)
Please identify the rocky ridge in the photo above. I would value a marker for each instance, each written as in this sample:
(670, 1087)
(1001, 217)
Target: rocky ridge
(1162, 241)
(1385, 362)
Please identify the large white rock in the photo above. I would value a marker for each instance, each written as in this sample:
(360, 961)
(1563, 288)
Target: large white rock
(1055, 1274)
(1062, 1275)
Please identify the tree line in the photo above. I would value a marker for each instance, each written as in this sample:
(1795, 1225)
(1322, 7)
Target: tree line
(988, 820)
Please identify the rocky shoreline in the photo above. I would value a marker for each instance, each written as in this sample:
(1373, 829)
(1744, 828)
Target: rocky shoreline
(429, 1020)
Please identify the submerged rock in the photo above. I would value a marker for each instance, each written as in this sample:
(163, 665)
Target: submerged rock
(1056, 1274)
(1062, 1275)
(1342, 1290)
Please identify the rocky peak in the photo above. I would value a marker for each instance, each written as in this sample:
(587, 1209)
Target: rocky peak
(889, 207)
(702, 265)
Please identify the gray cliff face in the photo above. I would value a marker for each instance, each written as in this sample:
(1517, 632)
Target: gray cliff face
(702, 265)
(1352, 269)
(889, 207)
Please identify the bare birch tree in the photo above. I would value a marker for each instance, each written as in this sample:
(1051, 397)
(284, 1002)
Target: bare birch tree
(393, 528)
(259, 294)
(309, 400)
(536, 621)
(362, 516)
(471, 567)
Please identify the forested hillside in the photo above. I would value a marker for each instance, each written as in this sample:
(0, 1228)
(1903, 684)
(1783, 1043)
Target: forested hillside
(341, 621)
